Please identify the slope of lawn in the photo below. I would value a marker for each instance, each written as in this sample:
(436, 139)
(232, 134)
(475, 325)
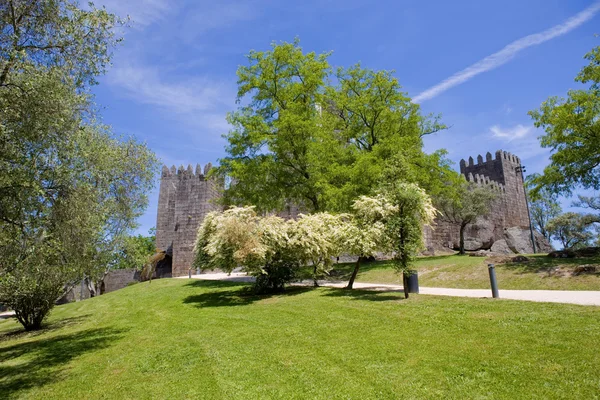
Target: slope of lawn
(464, 272)
(175, 339)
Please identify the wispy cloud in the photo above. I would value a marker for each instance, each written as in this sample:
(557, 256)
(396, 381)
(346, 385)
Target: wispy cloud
(510, 134)
(141, 12)
(507, 53)
(183, 95)
(197, 103)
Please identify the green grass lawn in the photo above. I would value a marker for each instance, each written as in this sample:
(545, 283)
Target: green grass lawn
(175, 339)
(465, 272)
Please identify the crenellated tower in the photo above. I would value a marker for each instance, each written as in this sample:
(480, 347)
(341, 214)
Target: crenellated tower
(185, 197)
(504, 170)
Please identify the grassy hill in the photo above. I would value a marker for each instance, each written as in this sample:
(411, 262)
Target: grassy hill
(179, 339)
(463, 272)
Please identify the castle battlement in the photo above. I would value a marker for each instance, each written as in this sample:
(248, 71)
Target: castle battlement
(504, 171)
(481, 179)
(501, 156)
(186, 195)
(186, 173)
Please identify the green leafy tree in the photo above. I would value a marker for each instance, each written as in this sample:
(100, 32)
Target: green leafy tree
(392, 221)
(543, 206)
(68, 187)
(572, 126)
(463, 204)
(136, 251)
(371, 124)
(571, 230)
(273, 135)
(300, 139)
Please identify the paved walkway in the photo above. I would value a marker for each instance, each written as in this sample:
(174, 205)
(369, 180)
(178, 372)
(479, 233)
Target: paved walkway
(582, 297)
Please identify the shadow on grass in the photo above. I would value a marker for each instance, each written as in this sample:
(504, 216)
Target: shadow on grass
(370, 295)
(44, 359)
(343, 271)
(46, 327)
(550, 265)
(240, 294)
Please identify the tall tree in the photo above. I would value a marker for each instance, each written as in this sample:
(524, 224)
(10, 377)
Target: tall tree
(68, 186)
(464, 204)
(572, 126)
(543, 206)
(571, 230)
(273, 135)
(374, 123)
(320, 145)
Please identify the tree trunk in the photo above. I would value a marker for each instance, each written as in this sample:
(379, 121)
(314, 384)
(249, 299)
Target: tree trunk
(91, 287)
(315, 283)
(461, 244)
(354, 273)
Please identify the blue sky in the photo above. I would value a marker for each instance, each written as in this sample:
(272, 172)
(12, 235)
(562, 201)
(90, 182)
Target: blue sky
(481, 64)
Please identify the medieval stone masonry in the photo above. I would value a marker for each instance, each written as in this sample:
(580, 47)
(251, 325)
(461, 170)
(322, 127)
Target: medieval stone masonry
(186, 196)
(506, 228)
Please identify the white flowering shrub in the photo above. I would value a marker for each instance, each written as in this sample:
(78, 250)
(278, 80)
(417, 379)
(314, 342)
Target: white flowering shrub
(318, 238)
(273, 250)
(410, 209)
(392, 221)
(238, 237)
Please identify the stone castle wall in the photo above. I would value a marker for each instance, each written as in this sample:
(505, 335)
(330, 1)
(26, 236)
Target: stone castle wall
(510, 209)
(185, 197)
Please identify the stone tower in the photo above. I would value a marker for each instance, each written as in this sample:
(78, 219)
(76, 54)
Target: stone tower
(504, 169)
(185, 197)
(509, 210)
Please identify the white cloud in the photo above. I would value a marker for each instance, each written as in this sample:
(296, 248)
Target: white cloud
(508, 53)
(184, 95)
(195, 103)
(142, 12)
(510, 134)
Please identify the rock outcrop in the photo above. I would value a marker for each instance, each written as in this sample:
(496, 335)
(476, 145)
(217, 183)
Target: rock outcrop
(519, 241)
(501, 247)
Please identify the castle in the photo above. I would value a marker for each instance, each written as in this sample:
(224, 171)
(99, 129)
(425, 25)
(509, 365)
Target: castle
(186, 196)
(509, 211)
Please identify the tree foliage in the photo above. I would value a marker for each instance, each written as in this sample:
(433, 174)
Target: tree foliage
(69, 189)
(135, 251)
(572, 126)
(299, 138)
(391, 221)
(571, 230)
(269, 248)
(543, 206)
(464, 204)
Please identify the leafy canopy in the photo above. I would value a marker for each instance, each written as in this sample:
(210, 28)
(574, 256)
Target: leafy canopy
(70, 190)
(572, 126)
(319, 139)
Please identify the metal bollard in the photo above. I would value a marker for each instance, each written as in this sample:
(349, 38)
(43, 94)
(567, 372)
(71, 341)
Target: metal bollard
(190, 273)
(493, 281)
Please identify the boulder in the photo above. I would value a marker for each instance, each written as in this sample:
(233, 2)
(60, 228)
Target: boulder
(480, 253)
(501, 247)
(519, 241)
(483, 231)
(472, 244)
